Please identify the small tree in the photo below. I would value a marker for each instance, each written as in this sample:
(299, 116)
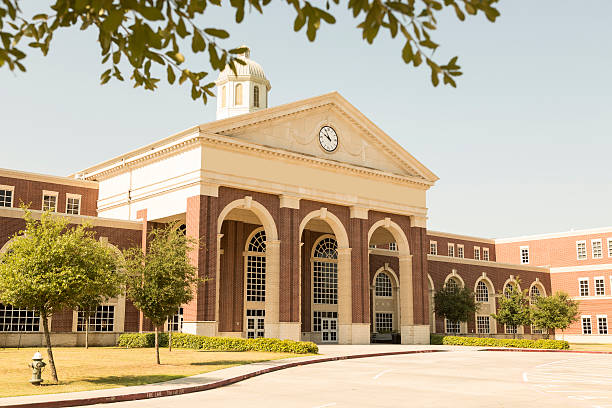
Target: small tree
(162, 278)
(513, 308)
(49, 266)
(558, 311)
(455, 304)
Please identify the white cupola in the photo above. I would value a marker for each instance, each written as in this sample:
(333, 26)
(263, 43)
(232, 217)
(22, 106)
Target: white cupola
(243, 92)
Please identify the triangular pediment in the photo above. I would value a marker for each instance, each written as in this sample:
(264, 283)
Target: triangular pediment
(295, 127)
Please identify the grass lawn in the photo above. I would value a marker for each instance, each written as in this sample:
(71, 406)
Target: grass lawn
(591, 347)
(79, 369)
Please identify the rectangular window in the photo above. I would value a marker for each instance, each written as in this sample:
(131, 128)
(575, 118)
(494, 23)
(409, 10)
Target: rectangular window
(175, 323)
(384, 322)
(609, 247)
(18, 320)
(600, 286)
(325, 283)
(482, 324)
(103, 320)
(602, 324)
(317, 316)
(584, 286)
(581, 251)
(460, 251)
(524, 254)
(485, 254)
(433, 247)
(73, 204)
(452, 327)
(596, 248)
(256, 278)
(6, 196)
(586, 325)
(392, 246)
(451, 250)
(477, 253)
(49, 201)
(255, 323)
(510, 329)
(536, 330)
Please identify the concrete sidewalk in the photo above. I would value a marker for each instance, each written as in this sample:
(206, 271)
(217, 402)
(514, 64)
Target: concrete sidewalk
(215, 379)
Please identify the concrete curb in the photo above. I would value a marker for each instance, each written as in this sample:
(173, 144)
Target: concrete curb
(202, 387)
(547, 351)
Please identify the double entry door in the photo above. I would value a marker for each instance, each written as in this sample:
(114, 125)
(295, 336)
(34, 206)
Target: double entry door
(329, 329)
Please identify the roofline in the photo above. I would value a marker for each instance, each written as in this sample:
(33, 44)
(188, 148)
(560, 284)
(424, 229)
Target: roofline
(459, 236)
(490, 264)
(553, 235)
(46, 178)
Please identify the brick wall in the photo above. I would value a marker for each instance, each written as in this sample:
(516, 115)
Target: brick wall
(468, 247)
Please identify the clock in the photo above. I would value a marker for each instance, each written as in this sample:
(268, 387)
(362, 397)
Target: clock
(328, 138)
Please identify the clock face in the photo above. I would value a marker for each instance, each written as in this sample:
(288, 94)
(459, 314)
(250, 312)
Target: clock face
(328, 138)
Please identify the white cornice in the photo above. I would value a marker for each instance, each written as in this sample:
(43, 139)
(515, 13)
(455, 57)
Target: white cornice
(458, 236)
(76, 219)
(45, 178)
(525, 238)
(490, 264)
(582, 268)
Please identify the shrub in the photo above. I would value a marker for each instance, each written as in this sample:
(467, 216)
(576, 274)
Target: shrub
(191, 341)
(491, 342)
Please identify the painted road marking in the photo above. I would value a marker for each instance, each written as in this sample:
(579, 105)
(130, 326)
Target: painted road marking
(381, 373)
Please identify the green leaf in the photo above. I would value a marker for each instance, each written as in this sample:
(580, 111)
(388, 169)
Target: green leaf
(216, 33)
(198, 44)
(152, 13)
(171, 76)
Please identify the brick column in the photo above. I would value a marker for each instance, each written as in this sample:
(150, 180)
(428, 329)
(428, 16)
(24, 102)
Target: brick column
(289, 285)
(360, 276)
(200, 313)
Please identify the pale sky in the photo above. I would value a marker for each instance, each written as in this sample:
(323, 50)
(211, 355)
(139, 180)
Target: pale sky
(522, 146)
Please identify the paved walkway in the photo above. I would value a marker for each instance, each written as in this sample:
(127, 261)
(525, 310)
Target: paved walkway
(211, 379)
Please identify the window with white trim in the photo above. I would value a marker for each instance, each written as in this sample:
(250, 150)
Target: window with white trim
(103, 320)
(6, 196)
(384, 322)
(433, 247)
(175, 322)
(451, 250)
(392, 246)
(460, 251)
(483, 325)
(477, 253)
(584, 286)
(596, 248)
(49, 201)
(536, 330)
(255, 323)
(586, 325)
(13, 319)
(452, 327)
(317, 316)
(524, 255)
(581, 251)
(452, 285)
(508, 289)
(482, 292)
(602, 324)
(511, 329)
(325, 272)
(485, 254)
(73, 204)
(609, 247)
(600, 286)
(383, 285)
(534, 293)
(256, 268)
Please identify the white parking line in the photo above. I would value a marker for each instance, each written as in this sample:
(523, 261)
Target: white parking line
(381, 373)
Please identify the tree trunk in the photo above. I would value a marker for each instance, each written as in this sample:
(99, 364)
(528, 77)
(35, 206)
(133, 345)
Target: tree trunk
(49, 351)
(86, 331)
(156, 345)
(170, 336)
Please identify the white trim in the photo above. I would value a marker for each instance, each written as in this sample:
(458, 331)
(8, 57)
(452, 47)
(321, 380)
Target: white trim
(580, 280)
(609, 240)
(488, 252)
(74, 219)
(582, 268)
(537, 237)
(592, 297)
(433, 244)
(454, 274)
(461, 237)
(12, 190)
(492, 264)
(49, 193)
(586, 252)
(593, 241)
(477, 251)
(449, 246)
(603, 279)
(521, 254)
(73, 196)
(65, 181)
(462, 251)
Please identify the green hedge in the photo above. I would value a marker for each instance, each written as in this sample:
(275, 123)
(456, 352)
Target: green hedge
(191, 341)
(490, 342)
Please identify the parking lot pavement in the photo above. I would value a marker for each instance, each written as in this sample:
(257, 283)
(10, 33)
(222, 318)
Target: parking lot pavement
(451, 379)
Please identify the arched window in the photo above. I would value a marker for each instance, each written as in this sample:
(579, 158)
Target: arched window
(482, 292)
(238, 95)
(256, 96)
(256, 268)
(223, 97)
(452, 284)
(534, 293)
(383, 285)
(508, 290)
(325, 272)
